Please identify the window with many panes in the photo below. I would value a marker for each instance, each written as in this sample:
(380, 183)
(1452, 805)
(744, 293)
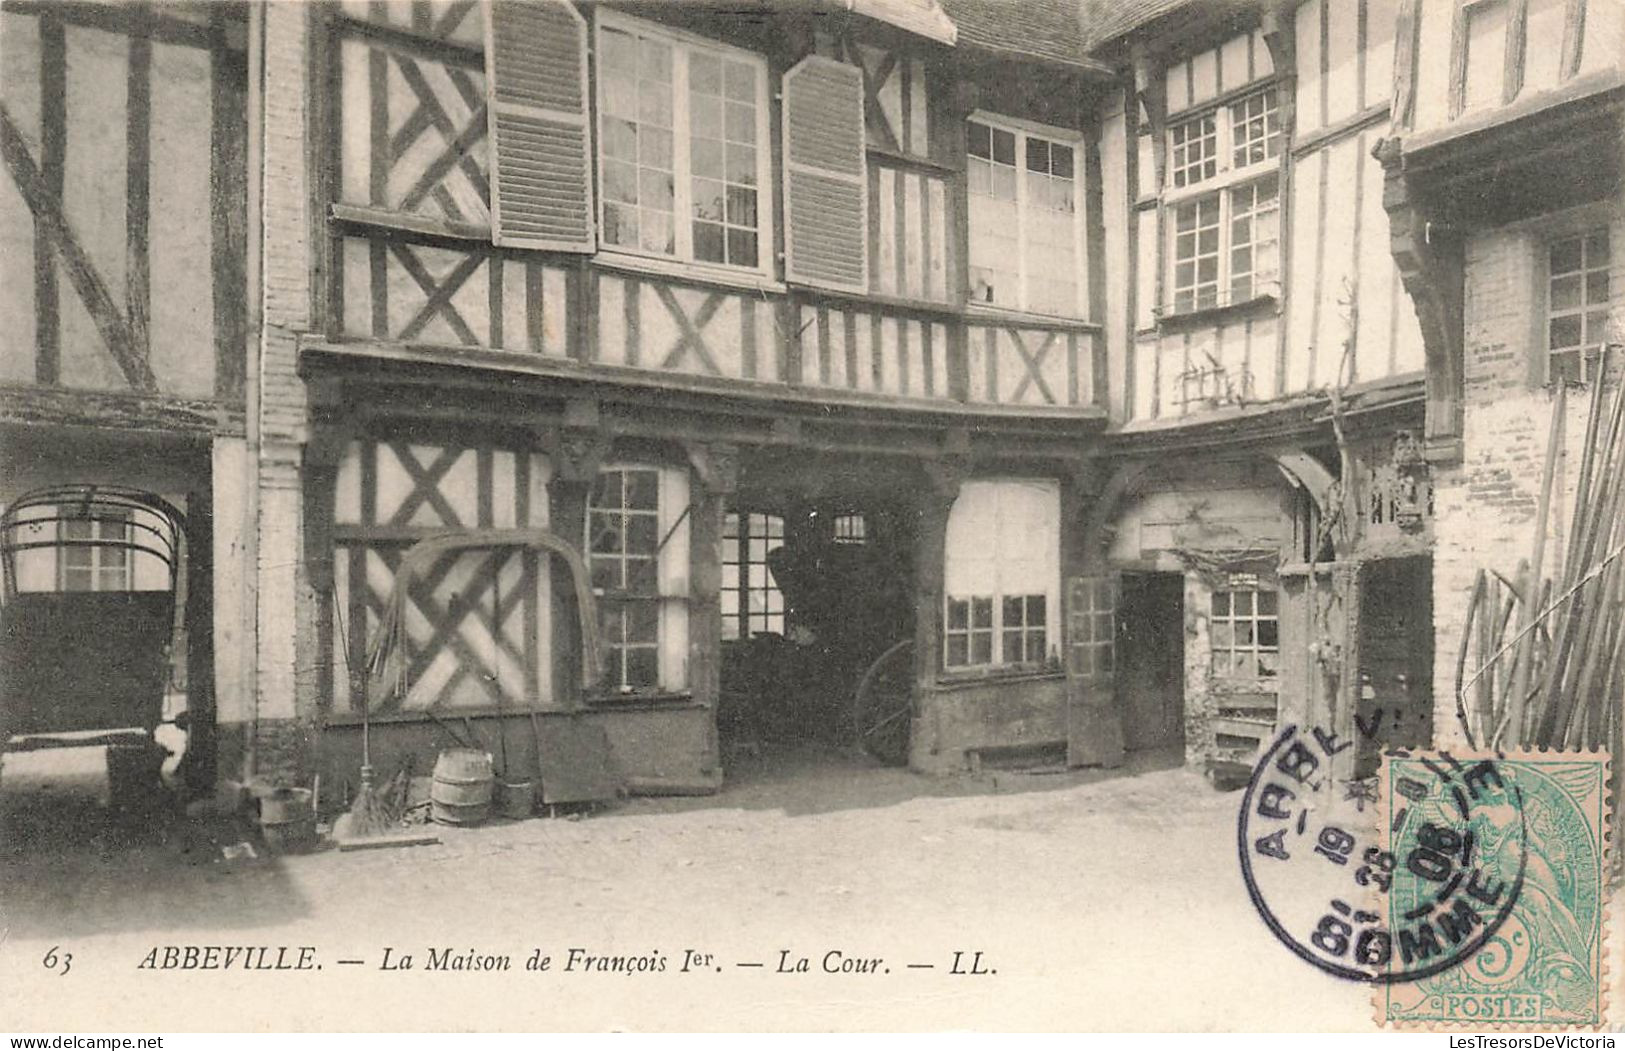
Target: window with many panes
(1026, 223)
(751, 600)
(683, 156)
(1577, 304)
(100, 560)
(1245, 634)
(1224, 244)
(1092, 629)
(1001, 574)
(636, 555)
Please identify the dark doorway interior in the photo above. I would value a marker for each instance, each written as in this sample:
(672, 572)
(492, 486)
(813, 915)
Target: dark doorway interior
(815, 588)
(1151, 660)
(1395, 708)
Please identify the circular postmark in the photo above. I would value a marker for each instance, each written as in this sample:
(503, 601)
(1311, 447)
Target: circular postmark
(1388, 886)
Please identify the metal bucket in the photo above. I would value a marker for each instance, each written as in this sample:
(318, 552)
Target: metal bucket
(461, 791)
(516, 799)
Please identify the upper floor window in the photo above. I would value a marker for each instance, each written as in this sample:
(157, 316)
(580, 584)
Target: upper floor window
(683, 158)
(1225, 246)
(851, 529)
(637, 548)
(1577, 302)
(1232, 137)
(1026, 220)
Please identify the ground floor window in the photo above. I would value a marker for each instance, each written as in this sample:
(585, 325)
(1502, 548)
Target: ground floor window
(1577, 305)
(637, 553)
(751, 601)
(1245, 634)
(1002, 574)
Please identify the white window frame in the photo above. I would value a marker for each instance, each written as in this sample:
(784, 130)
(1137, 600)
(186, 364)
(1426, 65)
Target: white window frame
(1254, 650)
(104, 576)
(1227, 178)
(1073, 140)
(670, 596)
(743, 622)
(998, 659)
(682, 43)
(1587, 350)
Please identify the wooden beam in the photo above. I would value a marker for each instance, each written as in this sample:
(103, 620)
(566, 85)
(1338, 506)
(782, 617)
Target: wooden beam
(53, 149)
(228, 214)
(1407, 27)
(36, 190)
(120, 410)
(1574, 30)
(137, 195)
(124, 19)
(1517, 46)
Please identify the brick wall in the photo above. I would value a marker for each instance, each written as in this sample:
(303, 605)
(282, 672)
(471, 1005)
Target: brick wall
(1486, 508)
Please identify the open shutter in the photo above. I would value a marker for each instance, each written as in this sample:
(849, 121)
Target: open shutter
(825, 195)
(536, 106)
(1094, 729)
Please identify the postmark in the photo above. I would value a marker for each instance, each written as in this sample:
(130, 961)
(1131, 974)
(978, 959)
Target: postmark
(1543, 965)
(1325, 861)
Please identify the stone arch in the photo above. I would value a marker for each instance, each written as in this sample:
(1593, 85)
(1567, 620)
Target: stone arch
(1299, 466)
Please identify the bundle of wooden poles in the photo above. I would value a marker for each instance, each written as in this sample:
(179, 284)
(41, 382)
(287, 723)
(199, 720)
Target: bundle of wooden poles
(1542, 658)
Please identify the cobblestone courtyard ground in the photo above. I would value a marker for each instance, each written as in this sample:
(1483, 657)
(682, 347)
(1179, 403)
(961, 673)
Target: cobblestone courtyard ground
(1099, 901)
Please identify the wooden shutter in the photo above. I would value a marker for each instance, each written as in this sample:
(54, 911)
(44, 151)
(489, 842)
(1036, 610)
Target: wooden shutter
(825, 196)
(541, 144)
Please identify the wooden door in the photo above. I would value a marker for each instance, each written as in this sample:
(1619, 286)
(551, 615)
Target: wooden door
(1151, 659)
(1094, 732)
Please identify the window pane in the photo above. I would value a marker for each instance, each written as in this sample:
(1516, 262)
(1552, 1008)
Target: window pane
(655, 190)
(978, 139)
(1596, 287)
(958, 614)
(642, 534)
(1565, 257)
(642, 621)
(1013, 648)
(705, 159)
(641, 577)
(1566, 292)
(1269, 633)
(981, 647)
(1266, 603)
(606, 534)
(741, 122)
(1037, 155)
(1036, 608)
(708, 200)
(741, 81)
(982, 612)
(641, 671)
(741, 247)
(1061, 161)
(704, 73)
(1037, 647)
(958, 650)
(620, 224)
(708, 243)
(1597, 248)
(1004, 147)
(1565, 331)
(642, 490)
(1012, 611)
(741, 167)
(742, 206)
(705, 117)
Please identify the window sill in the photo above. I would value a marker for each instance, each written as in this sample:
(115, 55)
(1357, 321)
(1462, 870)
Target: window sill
(1263, 303)
(656, 699)
(957, 680)
(699, 273)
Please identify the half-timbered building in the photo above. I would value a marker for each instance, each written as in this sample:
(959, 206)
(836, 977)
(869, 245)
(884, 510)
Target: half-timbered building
(123, 291)
(785, 317)
(1265, 519)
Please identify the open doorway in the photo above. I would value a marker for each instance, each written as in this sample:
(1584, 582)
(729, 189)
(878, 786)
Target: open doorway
(813, 592)
(1151, 660)
(1395, 708)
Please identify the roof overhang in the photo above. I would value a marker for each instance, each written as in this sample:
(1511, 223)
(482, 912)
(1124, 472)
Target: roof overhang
(921, 17)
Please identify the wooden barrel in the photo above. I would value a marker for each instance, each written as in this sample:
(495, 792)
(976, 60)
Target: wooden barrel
(461, 792)
(287, 820)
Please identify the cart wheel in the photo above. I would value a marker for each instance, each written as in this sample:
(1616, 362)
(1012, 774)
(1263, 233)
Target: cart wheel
(885, 703)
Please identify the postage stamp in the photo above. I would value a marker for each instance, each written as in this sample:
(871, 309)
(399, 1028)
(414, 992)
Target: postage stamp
(1320, 866)
(1451, 819)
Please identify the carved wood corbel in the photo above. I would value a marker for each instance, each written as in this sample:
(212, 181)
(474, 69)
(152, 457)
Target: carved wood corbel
(1151, 100)
(716, 465)
(576, 452)
(1430, 258)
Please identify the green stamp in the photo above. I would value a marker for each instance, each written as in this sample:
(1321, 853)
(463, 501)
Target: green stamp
(1536, 820)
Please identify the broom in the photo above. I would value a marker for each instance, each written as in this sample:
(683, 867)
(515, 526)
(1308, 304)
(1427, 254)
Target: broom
(369, 815)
